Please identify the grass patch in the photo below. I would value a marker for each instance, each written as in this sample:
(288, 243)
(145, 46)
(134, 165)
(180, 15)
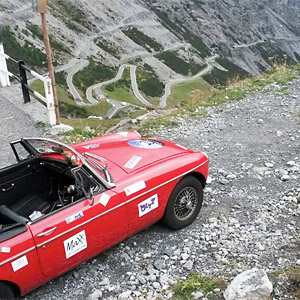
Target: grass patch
(121, 90)
(290, 281)
(184, 93)
(80, 133)
(155, 123)
(173, 61)
(195, 282)
(122, 95)
(142, 39)
(67, 106)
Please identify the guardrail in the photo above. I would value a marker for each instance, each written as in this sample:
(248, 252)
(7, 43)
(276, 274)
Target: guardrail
(47, 100)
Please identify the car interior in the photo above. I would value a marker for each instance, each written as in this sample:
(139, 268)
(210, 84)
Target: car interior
(35, 187)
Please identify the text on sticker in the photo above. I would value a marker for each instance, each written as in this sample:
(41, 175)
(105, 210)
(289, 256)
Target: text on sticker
(75, 244)
(148, 205)
(74, 217)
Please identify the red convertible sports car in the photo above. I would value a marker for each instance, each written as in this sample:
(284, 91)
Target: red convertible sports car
(62, 205)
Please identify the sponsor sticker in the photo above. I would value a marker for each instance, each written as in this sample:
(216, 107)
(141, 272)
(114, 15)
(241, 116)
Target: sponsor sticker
(148, 205)
(93, 146)
(104, 199)
(133, 161)
(135, 187)
(5, 249)
(75, 244)
(123, 133)
(19, 263)
(146, 144)
(74, 217)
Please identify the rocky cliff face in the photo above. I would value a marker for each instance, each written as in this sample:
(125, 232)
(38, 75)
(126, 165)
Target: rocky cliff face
(245, 32)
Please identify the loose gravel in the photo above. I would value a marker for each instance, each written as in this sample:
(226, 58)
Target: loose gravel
(250, 216)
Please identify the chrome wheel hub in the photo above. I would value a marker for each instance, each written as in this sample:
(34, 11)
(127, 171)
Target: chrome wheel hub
(185, 203)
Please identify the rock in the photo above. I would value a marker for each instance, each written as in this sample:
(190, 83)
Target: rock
(105, 281)
(285, 178)
(279, 133)
(269, 165)
(125, 295)
(62, 128)
(260, 121)
(188, 265)
(163, 279)
(156, 285)
(290, 163)
(184, 256)
(253, 284)
(159, 264)
(96, 295)
(197, 295)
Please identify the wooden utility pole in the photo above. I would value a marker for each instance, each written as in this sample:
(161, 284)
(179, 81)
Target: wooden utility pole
(41, 7)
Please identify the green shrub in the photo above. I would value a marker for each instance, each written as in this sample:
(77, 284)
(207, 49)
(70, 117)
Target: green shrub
(142, 39)
(173, 61)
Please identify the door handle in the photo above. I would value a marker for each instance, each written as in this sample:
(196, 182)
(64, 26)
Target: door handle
(9, 188)
(46, 232)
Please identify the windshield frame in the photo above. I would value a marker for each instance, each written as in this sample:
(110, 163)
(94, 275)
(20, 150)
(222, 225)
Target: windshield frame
(35, 152)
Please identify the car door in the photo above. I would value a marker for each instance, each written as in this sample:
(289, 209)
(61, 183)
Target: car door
(18, 258)
(74, 234)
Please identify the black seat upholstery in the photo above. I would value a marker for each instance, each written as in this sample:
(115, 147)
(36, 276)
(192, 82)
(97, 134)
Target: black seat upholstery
(10, 216)
(29, 204)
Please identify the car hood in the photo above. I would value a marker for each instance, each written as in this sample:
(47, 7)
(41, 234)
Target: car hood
(133, 154)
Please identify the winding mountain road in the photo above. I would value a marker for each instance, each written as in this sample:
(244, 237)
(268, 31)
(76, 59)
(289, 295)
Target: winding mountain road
(210, 65)
(81, 64)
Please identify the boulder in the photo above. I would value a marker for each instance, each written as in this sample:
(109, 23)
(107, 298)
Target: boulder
(253, 284)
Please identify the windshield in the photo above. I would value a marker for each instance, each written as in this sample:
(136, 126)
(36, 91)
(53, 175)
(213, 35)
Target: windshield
(46, 147)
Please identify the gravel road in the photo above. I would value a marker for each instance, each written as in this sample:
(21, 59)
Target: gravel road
(250, 217)
(14, 124)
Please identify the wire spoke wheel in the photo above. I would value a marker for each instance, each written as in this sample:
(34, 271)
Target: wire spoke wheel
(185, 203)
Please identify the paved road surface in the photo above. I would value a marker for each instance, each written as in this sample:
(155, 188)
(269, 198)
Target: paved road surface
(81, 64)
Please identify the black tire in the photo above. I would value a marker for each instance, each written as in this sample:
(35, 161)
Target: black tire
(6, 292)
(184, 203)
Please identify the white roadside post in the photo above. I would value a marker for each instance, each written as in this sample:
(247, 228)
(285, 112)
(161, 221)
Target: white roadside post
(50, 101)
(4, 78)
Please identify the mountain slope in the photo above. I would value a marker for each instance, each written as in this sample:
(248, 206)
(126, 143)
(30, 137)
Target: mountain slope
(246, 32)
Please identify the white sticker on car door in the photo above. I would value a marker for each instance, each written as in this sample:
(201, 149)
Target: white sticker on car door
(75, 244)
(148, 205)
(104, 199)
(135, 187)
(19, 263)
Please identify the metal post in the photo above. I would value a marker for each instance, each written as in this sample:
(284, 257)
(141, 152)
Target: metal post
(50, 67)
(4, 78)
(50, 101)
(24, 82)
